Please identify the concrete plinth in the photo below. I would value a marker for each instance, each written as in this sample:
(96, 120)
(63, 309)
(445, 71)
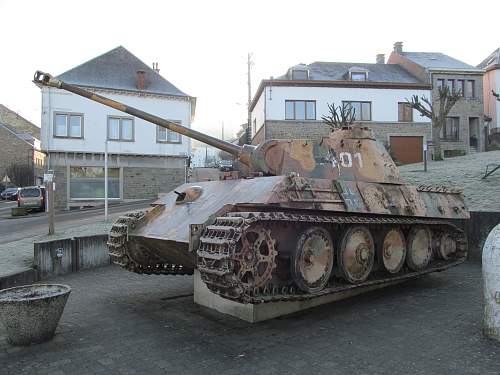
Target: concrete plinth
(254, 313)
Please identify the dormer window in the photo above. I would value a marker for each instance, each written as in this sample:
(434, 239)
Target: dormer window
(358, 74)
(300, 74)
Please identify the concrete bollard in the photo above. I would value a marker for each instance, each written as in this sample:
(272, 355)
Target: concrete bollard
(491, 284)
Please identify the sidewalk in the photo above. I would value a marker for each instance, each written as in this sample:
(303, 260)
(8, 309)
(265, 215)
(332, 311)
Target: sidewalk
(17, 256)
(117, 322)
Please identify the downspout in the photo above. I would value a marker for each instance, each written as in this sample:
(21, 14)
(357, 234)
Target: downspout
(265, 113)
(48, 126)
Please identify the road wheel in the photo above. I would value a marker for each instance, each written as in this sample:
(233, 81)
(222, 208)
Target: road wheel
(312, 261)
(356, 254)
(447, 246)
(419, 248)
(393, 250)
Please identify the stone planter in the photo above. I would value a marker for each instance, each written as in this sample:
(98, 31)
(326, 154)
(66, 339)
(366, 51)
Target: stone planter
(31, 313)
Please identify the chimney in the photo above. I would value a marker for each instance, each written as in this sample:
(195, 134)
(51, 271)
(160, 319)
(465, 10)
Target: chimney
(398, 47)
(155, 67)
(380, 58)
(140, 80)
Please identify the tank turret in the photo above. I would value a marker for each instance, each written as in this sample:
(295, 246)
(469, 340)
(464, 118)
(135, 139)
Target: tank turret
(316, 218)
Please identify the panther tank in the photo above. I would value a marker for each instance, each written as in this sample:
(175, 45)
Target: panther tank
(309, 219)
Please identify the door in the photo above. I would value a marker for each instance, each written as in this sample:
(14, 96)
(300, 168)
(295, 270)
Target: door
(407, 149)
(474, 132)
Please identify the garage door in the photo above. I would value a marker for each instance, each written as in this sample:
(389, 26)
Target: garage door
(407, 149)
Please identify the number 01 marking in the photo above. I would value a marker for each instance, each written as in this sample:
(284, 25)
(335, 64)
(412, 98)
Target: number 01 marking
(346, 159)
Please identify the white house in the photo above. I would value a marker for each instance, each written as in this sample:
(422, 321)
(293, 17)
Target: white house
(143, 159)
(291, 106)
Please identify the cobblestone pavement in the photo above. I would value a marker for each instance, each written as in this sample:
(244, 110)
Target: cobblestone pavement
(463, 172)
(121, 323)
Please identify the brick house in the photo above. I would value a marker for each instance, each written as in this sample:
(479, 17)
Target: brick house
(144, 159)
(291, 106)
(491, 81)
(465, 130)
(20, 149)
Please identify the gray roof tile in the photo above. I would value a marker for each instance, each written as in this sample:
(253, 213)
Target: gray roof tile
(117, 69)
(491, 60)
(339, 71)
(437, 60)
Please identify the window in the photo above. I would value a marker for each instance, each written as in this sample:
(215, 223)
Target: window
(440, 83)
(449, 131)
(68, 125)
(358, 76)
(120, 129)
(300, 110)
(362, 110)
(88, 183)
(405, 112)
(460, 86)
(300, 74)
(451, 85)
(163, 135)
(470, 89)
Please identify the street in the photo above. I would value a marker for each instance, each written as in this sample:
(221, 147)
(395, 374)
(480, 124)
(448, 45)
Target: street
(13, 229)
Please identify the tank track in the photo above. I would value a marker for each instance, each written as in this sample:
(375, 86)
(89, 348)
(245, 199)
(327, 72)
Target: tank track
(217, 244)
(117, 247)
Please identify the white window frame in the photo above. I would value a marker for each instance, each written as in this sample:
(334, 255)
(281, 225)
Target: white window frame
(168, 134)
(361, 102)
(120, 133)
(68, 124)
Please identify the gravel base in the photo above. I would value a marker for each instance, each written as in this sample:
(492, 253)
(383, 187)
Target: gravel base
(464, 173)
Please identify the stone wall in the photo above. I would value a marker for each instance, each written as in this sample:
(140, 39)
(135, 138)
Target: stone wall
(146, 183)
(13, 151)
(61, 182)
(317, 129)
(478, 228)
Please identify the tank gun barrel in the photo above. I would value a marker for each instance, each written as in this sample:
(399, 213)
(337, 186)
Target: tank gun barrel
(46, 79)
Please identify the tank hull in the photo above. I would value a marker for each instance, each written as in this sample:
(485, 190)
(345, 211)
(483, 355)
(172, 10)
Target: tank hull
(174, 235)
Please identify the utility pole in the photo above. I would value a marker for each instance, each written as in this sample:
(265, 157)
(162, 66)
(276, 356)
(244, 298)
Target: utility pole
(222, 130)
(106, 180)
(249, 82)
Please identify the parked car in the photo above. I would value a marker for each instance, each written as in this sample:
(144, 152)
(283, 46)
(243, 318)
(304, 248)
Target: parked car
(10, 194)
(32, 197)
(226, 165)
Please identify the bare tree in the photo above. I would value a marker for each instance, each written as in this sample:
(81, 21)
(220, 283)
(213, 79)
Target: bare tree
(338, 117)
(436, 112)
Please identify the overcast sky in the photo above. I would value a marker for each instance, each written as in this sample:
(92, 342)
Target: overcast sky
(202, 46)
